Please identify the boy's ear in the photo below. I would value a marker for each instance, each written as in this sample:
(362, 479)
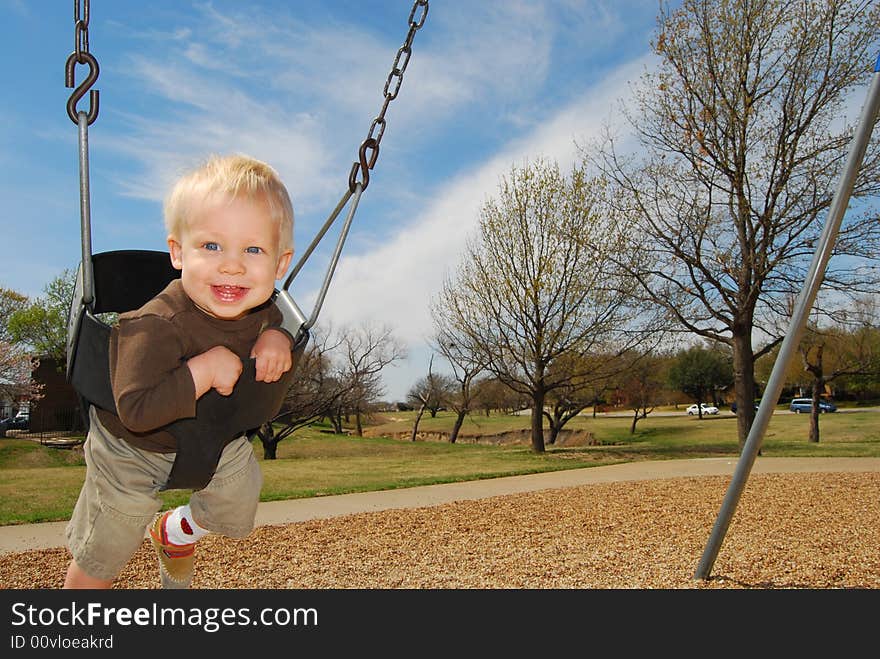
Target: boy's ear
(176, 253)
(283, 263)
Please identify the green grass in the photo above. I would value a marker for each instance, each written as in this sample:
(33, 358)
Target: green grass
(41, 484)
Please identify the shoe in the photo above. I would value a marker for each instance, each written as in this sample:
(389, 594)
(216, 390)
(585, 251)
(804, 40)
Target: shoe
(175, 561)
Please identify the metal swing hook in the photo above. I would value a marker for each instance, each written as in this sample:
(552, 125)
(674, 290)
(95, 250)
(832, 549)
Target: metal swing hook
(364, 165)
(75, 58)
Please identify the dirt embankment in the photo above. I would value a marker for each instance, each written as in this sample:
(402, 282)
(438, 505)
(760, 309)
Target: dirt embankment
(566, 437)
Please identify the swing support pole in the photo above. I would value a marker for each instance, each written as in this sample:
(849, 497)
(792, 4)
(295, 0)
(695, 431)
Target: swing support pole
(805, 301)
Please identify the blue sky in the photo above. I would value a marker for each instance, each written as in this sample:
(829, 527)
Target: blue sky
(490, 84)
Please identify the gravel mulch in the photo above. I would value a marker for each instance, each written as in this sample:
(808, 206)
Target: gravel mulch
(817, 531)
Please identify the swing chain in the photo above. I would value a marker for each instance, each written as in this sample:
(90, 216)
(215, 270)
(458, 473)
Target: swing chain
(80, 28)
(81, 55)
(369, 149)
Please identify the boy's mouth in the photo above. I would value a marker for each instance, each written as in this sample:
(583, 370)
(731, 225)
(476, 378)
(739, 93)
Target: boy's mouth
(229, 294)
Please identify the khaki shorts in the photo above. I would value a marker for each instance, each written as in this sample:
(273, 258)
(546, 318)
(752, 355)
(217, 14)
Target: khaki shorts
(119, 498)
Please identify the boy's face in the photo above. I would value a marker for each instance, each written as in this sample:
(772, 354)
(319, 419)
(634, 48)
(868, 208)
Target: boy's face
(229, 257)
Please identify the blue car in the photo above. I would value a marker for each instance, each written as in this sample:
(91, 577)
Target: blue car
(799, 405)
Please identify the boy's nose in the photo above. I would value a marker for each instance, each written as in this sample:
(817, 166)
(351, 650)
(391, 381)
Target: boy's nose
(231, 264)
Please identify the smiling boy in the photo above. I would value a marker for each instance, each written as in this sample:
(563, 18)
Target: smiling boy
(230, 233)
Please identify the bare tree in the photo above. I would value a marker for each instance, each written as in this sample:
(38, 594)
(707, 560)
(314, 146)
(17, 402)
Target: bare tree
(866, 313)
(848, 347)
(492, 394)
(429, 392)
(366, 350)
(313, 394)
(466, 365)
(586, 375)
(641, 385)
(338, 374)
(741, 146)
(536, 284)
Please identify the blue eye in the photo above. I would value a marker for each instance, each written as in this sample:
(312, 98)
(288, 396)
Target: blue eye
(253, 250)
(212, 247)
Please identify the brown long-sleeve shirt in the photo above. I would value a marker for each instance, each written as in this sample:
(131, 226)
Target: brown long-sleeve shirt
(149, 348)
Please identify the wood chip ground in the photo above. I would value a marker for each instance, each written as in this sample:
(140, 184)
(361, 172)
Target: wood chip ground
(817, 531)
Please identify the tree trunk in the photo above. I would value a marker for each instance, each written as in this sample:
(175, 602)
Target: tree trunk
(632, 428)
(817, 371)
(744, 383)
(554, 433)
(359, 427)
(266, 434)
(270, 449)
(415, 429)
(538, 420)
(459, 420)
(814, 413)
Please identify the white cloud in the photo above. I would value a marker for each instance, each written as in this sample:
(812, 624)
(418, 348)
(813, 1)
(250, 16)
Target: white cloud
(395, 282)
(271, 86)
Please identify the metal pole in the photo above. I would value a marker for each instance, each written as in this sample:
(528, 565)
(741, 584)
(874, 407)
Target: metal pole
(805, 301)
(85, 211)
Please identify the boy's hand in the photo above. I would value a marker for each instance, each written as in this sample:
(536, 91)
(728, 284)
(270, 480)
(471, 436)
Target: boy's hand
(272, 352)
(218, 368)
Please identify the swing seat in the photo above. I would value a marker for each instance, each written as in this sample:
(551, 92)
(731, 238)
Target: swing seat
(124, 281)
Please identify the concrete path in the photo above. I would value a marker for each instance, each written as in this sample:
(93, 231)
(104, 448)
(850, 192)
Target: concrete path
(23, 537)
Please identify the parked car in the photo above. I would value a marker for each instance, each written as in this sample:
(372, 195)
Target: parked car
(733, 406)
(707, 409)
(800, 405)
(20, 421)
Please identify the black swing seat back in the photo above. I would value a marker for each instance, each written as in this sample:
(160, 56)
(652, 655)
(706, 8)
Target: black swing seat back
(123, 281)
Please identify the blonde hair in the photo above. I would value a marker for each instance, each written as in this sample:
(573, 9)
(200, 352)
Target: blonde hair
(234, 176)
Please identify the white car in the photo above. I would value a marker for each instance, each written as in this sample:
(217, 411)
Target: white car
(707, 409)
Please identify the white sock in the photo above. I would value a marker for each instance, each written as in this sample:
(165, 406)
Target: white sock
(181, 528)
